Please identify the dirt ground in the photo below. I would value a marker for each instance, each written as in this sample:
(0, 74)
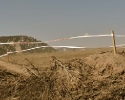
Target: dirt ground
(98, 76)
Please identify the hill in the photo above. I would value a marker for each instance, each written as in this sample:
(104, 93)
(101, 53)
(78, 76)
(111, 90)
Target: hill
(22, 45)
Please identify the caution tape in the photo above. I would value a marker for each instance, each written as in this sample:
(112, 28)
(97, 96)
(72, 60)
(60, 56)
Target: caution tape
(119, 35)
(73, 47)
(42, 47)
(61, 39)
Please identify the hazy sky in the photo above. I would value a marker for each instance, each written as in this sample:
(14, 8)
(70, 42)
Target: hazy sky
(51, 19)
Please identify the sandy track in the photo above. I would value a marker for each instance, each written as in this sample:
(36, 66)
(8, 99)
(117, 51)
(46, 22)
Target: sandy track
(14, 68)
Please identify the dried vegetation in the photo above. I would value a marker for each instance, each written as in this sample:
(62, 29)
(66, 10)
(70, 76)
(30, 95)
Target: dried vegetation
(96, 77)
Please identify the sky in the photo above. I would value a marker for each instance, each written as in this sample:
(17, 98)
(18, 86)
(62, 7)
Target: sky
(52, 19)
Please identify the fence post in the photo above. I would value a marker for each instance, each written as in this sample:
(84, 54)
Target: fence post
(7, 55)
(113, 41)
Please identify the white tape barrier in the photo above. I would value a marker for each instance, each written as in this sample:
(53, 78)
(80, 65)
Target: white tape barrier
(122, 45)
(62, 39)
(42, 47)
(119, 35)
(3, 55)
(21, 43)
(91, 36)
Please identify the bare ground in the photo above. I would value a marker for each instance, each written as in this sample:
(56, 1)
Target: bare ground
(95, 77)
(14, 68)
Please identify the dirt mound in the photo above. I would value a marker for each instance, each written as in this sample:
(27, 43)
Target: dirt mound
(14, 68)
(97, 77)
(108, 75)
(107, 64)
(59, 82)
(8, 81)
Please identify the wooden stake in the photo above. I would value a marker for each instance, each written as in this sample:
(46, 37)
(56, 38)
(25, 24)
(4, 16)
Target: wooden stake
(7, 55)
(113, 41)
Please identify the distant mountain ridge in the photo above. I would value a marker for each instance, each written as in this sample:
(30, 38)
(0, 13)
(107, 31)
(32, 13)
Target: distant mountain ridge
(22, 46)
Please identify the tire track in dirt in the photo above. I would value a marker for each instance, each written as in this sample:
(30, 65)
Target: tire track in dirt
(14, 68)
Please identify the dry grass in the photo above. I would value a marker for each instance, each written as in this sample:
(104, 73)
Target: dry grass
(43, 59)
(78, 75)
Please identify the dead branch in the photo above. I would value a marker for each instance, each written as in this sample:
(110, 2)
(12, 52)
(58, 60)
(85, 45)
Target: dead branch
(32, 70)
